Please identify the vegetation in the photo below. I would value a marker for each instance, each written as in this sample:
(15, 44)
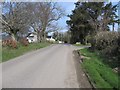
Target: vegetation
(64, 37)
(9, 53)
(19, 17)
(89, 18)
(108, 45)
(90, 23)
(100, 74)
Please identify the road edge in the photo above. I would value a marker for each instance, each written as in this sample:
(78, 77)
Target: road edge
(81, 72)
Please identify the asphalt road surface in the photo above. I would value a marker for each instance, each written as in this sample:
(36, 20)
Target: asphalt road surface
(50, 67)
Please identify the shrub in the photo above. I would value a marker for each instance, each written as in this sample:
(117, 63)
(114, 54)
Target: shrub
(105, 39)
(108, 44)
(24, 42)
(14, 44)
(10, 43)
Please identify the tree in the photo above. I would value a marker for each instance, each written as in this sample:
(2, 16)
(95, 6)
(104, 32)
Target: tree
(14, 18)
(45, 13)
(62, 36)
(89, 18)
(119, 16)
(18, 17)
(79, 25)
(109, 16)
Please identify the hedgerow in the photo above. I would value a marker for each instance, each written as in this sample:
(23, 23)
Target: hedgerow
(108, 44)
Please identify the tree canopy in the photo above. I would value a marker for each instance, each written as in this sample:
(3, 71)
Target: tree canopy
(90, 17)
(18, 17)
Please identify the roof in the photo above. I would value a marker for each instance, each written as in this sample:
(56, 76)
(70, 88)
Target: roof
(31, 34)
(49, 36)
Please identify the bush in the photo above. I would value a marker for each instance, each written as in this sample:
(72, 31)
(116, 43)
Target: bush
(105, 39)
(108, 44)
(24, 42)
(9, 43)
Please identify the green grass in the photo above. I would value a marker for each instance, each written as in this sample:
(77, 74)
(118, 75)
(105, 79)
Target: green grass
(100, 74)
(9, 53)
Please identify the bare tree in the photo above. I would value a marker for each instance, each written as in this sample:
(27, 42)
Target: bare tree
(17, 16)
(46, 13)
(14, 17)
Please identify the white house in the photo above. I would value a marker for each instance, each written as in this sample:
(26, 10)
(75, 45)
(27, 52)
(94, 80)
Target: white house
(60, 42)
(32, 37)
(50, 39)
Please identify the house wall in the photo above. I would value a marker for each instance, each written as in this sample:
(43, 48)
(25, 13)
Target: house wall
(50, 39)
(32, 38)
(35, 38)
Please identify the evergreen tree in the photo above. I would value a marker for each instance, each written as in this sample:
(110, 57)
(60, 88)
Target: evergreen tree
(90, 17)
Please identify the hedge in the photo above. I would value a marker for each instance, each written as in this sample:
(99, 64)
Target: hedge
(108, 44)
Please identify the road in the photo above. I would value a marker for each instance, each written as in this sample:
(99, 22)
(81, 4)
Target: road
(50, 67)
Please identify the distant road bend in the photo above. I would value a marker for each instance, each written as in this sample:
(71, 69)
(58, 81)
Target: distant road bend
(50, 67)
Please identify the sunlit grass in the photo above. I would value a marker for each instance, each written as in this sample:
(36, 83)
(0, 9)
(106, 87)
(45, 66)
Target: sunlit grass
(100, 74)
(9, 53)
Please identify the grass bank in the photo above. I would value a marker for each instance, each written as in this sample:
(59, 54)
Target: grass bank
(100, 74)
(9, 53)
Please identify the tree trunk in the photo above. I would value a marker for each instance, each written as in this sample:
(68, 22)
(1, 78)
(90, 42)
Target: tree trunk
(38, 36)
(43, 34)
(13, 37)
(113, 26)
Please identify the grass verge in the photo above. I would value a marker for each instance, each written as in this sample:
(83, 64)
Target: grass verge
(100, 74)
(9, 53)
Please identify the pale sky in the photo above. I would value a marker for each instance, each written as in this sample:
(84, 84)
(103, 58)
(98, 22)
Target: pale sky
(68, 6)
